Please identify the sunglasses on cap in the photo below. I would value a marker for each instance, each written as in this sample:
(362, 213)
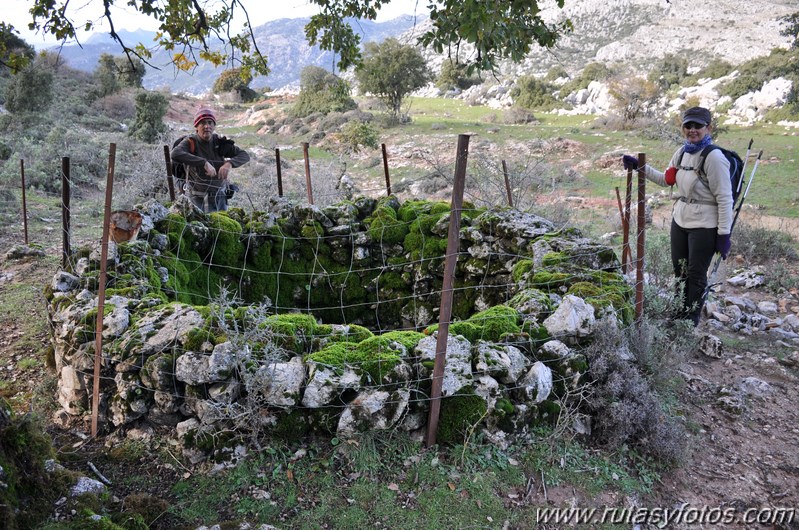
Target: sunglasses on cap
(693, 125)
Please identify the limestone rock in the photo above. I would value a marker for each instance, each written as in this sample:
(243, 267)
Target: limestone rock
(711, 346)
(536, 385)
(279, 384)
(573, 318)
(458, 366)
(325, 384)
(503, 362)
(373, 410)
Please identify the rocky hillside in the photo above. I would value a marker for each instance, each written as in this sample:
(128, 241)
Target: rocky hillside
(628, 32)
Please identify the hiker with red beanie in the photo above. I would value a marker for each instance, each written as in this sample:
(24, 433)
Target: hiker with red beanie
(703, 212)
(208, 159)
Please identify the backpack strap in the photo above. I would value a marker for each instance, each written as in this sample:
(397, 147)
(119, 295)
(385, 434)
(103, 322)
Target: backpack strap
(699, 174)
(700, 170)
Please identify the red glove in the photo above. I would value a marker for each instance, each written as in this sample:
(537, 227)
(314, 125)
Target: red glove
(671, 176)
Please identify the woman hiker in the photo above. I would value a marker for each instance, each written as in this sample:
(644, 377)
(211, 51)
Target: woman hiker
(703, 212)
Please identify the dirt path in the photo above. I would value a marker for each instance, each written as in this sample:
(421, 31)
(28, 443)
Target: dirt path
(742, 409)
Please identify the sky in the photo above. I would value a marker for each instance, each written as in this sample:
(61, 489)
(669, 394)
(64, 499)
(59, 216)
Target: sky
(16, 13)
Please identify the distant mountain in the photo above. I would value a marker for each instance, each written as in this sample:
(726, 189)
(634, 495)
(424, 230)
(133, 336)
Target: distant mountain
(282, 41)
(84, 56)
(618, 33)
(637, 33)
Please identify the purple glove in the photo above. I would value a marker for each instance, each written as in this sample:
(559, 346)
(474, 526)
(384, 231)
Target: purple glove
(630, 162)
(723, 245)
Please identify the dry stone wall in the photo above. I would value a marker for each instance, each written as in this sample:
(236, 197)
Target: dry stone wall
(307, 319)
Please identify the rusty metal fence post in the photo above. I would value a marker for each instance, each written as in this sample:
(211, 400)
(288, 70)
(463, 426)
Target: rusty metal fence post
(640, 240)
(628, 199)
(66, 250)
(24, 200)
(447, 288)
(279, 173)
(385, 169)
(98, 337)
(307, 172)
(170, 178)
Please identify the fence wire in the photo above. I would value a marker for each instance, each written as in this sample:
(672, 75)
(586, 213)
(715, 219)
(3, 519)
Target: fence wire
(225, 286)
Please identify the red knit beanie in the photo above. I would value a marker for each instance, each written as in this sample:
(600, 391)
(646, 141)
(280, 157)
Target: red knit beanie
(204, 114)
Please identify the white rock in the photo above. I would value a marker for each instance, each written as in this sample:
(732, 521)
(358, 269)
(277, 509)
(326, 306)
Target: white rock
(458, 366)
(373, 410)
(279, 383)
(573, 318)
(537, 384)
(87, 485)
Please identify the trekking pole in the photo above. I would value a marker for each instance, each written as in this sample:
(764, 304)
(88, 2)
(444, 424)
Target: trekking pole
(737, 191)
(734, 220)
(746, 191)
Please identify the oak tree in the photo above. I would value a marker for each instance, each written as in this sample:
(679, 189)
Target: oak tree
(391, 71)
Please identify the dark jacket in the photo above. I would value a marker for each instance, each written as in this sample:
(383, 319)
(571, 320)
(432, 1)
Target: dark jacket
(218, 151)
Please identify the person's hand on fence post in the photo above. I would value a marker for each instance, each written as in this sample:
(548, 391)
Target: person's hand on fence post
(630, 162)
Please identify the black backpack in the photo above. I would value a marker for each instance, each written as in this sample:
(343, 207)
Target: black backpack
(736, 168)
(178, 169)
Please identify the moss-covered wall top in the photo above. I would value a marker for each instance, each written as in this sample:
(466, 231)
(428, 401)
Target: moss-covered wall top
(377, 263)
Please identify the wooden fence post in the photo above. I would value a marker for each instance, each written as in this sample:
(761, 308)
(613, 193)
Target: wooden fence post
(507, 183)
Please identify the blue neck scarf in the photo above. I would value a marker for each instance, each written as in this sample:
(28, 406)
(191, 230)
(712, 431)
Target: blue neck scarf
(692, 148)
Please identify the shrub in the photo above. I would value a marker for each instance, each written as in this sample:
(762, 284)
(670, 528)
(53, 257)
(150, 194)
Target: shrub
(236, 81)
(634, 99)
(120, 107)
(454, 75)
(518, 116)
(30, 90)
(150, 110)
(533, 93)
(555, 73)
(591, 72)
(759, 245)
(627, 409)
(357, 134)
(756, 72)
(669, 71)
(715, 69)
(321, 91)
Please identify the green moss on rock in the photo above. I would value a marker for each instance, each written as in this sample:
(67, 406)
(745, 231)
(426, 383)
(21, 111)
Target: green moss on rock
(384, 227)
(458, 414)
(225, 233)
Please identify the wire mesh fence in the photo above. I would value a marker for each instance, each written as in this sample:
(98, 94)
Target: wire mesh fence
(353, 286)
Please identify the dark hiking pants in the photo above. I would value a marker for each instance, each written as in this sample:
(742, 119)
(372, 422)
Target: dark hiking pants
(692, 251)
